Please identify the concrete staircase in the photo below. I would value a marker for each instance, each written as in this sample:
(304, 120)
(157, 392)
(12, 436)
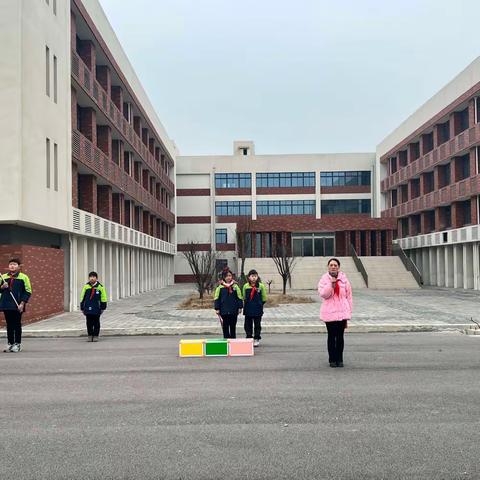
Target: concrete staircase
(306, 273)
(388, 273)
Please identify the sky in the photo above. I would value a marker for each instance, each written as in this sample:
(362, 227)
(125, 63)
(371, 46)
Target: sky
(294, 76)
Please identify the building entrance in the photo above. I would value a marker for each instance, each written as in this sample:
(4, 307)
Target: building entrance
(313, 244)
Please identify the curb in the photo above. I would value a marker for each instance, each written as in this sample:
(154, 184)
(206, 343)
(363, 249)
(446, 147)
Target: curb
(278, 329)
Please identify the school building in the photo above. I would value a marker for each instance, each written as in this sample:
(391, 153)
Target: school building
(430, 182)
(316, 205)
(88, 170)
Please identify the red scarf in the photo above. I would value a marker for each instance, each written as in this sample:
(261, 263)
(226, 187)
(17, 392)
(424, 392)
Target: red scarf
(336, 290)
(228, 286)
(253, 291)
(92, 291)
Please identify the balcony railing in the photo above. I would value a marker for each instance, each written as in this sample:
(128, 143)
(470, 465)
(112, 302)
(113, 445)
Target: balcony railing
(453, 147)
(86, 223)
(445, 196)
(84, 77)
(85, 152)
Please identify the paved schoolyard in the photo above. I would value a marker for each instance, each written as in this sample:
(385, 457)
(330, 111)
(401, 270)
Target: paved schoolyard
(374, 310)
(404, 407)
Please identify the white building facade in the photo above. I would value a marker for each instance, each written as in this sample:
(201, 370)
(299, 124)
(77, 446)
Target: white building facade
(318, 204)
(430, 182)
(85, 186)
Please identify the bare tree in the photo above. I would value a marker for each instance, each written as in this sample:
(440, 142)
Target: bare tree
(202, 265)
(284, 263)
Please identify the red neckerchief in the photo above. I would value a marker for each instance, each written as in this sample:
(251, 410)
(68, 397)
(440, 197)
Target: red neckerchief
(228, 286)
(11, 280)
(336, 290)
(253, 291)
(92, 291)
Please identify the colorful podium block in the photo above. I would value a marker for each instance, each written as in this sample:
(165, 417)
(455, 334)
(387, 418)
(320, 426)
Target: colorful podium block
(240, 347)
(216, 347)
(191, 348)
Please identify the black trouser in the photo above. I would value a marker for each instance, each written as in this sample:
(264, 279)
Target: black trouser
(13, 318)
(253, 327)
(229, 326)
(93, 325)
(335, 340)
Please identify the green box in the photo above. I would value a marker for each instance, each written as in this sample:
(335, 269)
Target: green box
(216, 347)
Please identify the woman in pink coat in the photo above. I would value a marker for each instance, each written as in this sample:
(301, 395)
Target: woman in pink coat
(336, 309)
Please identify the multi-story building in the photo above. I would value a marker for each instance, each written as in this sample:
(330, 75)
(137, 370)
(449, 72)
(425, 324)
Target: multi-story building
(87, 168)
(316, 205)
(430, 182)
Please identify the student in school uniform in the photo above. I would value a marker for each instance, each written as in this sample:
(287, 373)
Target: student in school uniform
(93, 301)
(254, 297)
(15, 291)
(228, 303)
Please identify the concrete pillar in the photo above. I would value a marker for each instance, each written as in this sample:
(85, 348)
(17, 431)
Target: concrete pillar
(476, 266)
(432, 265)
(440, 267)
(425, 267)
(449, 266)
(458, 266)
(467, 265)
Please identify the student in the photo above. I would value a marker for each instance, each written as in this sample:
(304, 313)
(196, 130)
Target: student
(93, 301)
(336, 309)
(15, 291)
(228, 303)
(254, 297)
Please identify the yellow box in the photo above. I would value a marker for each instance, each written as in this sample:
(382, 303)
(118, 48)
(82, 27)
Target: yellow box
(191, 348)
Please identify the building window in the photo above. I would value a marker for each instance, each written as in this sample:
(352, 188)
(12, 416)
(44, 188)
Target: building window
(47, 157)
(258, 244)
(286, 179)
(394, 200)
(244, 151)
(233, 180)
(268, 244)
(55, 167)
(344, 179)
(443, 132)
(444, 175)
(339, 207)
(427, 140)
(221, 235)
(47, 71)
(233, 209)
(463, 167)
(286, 207)
(55, 82)
(461, 121)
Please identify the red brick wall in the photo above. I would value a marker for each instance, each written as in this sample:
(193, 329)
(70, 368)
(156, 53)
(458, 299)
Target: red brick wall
(87, 193)
(284, 190)
(193, 192)
(192, 219)
(233, 191)
(347, 189)
(104, 201)
(104, 77)
(45, 267)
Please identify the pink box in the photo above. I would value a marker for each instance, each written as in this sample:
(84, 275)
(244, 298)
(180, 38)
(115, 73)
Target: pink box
(240, 347)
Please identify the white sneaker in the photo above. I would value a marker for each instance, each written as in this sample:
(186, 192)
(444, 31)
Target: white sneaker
(94, 339)
(8, 348)
(17, 347)
(256, 343)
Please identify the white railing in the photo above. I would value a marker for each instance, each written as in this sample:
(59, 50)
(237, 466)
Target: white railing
(458, 235)
(85, 223)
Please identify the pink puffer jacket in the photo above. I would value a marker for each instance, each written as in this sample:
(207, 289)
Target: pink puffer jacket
(335, 307)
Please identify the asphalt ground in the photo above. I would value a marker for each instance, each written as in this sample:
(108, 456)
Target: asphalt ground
(405, 406)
